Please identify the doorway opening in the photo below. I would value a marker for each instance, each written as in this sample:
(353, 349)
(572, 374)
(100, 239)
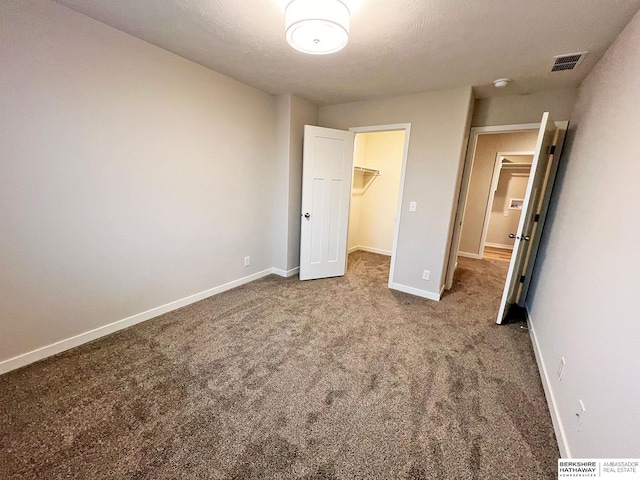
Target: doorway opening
(379, 161)
(327, 184)
(477, 179)
(489, 182)
(506, 197)
(495, 172)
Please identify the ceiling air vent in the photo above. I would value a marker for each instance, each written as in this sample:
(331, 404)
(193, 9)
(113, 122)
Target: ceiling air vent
(567, 61)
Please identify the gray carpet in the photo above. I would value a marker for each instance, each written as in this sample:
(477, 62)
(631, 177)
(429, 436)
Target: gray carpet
(329, 379)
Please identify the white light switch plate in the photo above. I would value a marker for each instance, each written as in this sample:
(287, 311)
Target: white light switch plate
(413, 206)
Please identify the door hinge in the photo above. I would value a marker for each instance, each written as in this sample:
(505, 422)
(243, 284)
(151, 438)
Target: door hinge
(522, 279)
(552, 150)
(536, 218)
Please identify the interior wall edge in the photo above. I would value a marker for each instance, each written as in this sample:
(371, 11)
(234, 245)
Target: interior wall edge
(286, 273)
(415, 291)
(450, 251)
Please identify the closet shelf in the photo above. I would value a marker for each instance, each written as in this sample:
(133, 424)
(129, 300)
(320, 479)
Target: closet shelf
(365, 170)
(515, 165)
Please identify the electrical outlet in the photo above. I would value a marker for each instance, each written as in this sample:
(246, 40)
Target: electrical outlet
(426, 274)
(561, 368)
(247, 261)
(580, 415)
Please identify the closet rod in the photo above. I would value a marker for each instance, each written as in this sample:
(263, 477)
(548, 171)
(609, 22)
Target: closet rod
(516, 165)
(366, 170)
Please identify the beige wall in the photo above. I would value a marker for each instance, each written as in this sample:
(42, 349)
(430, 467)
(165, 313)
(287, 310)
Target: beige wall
(484, 159)
(302, 113)
(439, 130)
(375, 199)
(583, 303)
(355, 205)
(514, 109)
(131, 177)
(292, 114)
(281, 191)
(511, 184)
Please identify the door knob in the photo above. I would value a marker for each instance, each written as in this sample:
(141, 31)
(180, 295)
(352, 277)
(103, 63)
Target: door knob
(307, 215)
(527, 238)
(512, 235)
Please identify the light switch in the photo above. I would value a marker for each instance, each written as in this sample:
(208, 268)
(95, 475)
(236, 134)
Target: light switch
(413, 206)
(506, 213)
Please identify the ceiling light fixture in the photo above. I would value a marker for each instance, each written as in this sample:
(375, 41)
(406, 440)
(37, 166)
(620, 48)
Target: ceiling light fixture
(317, 27)
(501, 82)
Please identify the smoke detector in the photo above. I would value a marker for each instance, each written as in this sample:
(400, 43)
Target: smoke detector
(501, 82)
(568, 61)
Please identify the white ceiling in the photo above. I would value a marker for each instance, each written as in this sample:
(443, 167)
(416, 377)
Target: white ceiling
(396, 46)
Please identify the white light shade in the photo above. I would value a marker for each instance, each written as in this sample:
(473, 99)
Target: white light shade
(317, 26)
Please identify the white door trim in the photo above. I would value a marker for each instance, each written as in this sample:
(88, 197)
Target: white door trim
(504, 128)
(495, 177)
(405, 154)
(544, 209)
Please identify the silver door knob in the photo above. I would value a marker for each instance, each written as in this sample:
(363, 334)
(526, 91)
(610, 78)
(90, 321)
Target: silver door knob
(527, 238)
(512, 235)
(307, 215)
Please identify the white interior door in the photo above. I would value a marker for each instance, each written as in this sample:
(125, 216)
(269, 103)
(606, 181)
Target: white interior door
(327, 171)
(535, 191)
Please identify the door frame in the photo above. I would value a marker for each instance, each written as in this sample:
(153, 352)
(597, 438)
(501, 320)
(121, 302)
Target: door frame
(405, 155)
(563, 127)
(495, 178)
(472, 145)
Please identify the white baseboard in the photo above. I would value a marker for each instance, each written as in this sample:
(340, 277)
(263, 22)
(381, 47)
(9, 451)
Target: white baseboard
(563, 446)
(498, 245)
(61, 346)
(379, 251)
(363, 248)
(415, 291)
(285, 273)
(470, 255)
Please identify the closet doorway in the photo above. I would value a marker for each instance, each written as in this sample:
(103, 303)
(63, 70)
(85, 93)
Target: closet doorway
(379, 161)
(508, 187)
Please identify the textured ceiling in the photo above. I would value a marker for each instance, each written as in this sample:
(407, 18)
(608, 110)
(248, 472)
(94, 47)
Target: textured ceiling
(396, 46)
